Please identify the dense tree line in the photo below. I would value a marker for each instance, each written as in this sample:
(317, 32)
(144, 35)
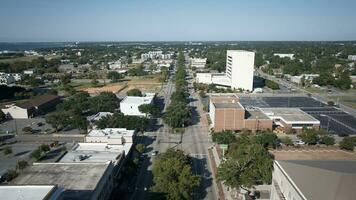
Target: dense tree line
(72, 112)
(119, 120)
(178, 113)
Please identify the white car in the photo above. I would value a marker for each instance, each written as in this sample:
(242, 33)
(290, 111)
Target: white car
(154, 153)
(299, 142)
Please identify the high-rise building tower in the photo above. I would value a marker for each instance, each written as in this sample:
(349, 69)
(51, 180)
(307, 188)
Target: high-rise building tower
(239, 68)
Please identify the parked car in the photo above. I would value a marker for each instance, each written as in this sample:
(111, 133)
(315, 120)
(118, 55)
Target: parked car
(298, 142)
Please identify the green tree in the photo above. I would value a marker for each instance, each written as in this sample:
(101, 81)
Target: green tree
(21, 164)
(224, 137)
(173, 177)
(309, 136)
(65, 79)
(347, 143)
(114, 76)
(104, 102)
(134, 92)
(286, 141)
(58, 120)
(140, 148)
(152, 109)
(247, 163)
(271, 84)
(36, 154)
(7, 150)
(177, 115)
(267, 139)
(327, 140)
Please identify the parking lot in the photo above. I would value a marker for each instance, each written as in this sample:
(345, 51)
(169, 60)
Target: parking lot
(20, 151)
(331, 119)
(38, 125)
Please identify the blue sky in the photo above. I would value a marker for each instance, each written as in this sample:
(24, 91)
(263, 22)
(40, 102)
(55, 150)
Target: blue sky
(179, 20)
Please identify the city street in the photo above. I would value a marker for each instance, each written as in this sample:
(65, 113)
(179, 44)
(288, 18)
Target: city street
(195, 142)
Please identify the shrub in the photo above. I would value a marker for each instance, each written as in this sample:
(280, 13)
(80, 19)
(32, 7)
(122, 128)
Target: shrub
(21, 164)
(286, 141)
(10, 174)
(7, 150)
(134, 92)
(327, 140)
(225, 137)
(140, 148)
(347, 143)
(27, 129)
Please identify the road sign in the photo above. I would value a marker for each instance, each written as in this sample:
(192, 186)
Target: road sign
(224, 146)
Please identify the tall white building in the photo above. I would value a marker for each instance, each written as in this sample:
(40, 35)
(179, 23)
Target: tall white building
(239, 69)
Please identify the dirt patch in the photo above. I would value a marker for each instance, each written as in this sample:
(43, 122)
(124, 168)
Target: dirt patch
(108, 88)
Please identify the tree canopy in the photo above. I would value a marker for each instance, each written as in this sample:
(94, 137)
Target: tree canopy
(247, 164)
(134, 92)
(173, 177)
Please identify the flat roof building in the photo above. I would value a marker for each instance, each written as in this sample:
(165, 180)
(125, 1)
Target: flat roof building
(29, 192)
(75, 180)
(285, 55)
(111, 136)
(36, 105)
(129, 105)
(326, 175)
(291, 118)
(227, 113)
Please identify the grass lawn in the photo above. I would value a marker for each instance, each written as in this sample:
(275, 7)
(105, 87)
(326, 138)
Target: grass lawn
(12, 60)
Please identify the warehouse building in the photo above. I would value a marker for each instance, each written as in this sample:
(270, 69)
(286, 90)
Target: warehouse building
(35, 106)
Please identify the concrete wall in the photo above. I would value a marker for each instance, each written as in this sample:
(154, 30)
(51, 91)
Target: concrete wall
(282, 187)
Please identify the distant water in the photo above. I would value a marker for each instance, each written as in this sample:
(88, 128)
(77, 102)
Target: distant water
(21, 46)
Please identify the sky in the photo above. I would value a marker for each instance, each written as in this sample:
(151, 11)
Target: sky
(176, 20)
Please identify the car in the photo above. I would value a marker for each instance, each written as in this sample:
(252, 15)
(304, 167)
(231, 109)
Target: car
(298, 142)
(154, 153)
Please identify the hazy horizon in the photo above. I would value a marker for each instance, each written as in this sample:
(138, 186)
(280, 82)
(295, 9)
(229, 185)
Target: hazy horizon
(163, 21)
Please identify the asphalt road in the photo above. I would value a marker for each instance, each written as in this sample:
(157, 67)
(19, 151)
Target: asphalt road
(195, 142)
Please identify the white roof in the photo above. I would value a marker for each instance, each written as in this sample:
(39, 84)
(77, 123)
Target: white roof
(111, 132)
(147, 99)
(95, 152)
(26, 192)
(290, 115)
